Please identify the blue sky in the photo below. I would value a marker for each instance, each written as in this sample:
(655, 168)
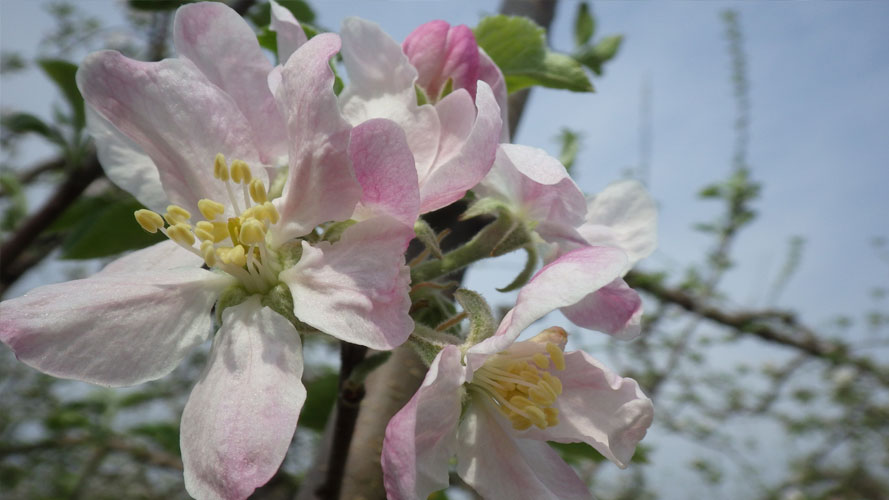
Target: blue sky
(819, 137)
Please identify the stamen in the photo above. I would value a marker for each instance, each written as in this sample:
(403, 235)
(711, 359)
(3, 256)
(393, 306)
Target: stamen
(252, 232)
(210, 209)
(556, 355)
(258, 192)
(220, 168)
(234, 229)
(240, 172)
(181, 234)
(150, 221)
(209, 252)
(204, 231)
(176, 214)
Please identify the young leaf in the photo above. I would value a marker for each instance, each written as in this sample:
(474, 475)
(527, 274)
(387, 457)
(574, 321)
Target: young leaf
(518, 46)
(570, 146)
(62, 74)
(597, 55)
(24, 123)
(584, 25)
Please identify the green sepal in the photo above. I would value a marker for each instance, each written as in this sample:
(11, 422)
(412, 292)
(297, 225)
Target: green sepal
(527, 271)
(280, 300)
(484, 206)
(427, 236)
(335, 231)
(481, 321)
(428, 342)
(518, 236)
(230, 297)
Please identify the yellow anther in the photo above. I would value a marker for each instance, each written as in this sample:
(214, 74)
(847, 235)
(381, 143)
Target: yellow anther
(181, 233)
(541, 396)
(541, 361)
(258, 192)
(210, 209)
(271, 212)
(234, 229)
(179, 213)
(208, 251)
(150, 221)
(252, 232)
(535, 415)
(520, 402)
(552, 416)
(519, 422)
(530, 376)
(238, 256)
(204, 231)
(556, 355)
(220, 168)
(553, 383)
(240, 172)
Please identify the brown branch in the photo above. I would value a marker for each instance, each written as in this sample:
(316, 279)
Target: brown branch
(787, 331)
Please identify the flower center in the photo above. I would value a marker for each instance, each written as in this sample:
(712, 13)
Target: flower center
(522, 386)
(235, 245)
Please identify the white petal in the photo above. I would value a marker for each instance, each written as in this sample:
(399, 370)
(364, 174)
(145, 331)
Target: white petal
(163, 255)
(623, 215)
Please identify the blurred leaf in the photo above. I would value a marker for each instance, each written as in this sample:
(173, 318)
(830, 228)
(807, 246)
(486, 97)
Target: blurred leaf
(595, 56)
(11, 62)
(367, 366)
(18, 203)
(153, 5)
(26, 123)
(584, 25)
(569, 141)
(261, 15)
(165, 434)
(321, 395)
(107, 231)
(66, 418)
(62, 73)
(577, 453)
(268, 40)
(518, 46)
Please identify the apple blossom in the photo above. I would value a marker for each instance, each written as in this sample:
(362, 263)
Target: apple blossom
(213, 132)
(495, 404)
(453, 140)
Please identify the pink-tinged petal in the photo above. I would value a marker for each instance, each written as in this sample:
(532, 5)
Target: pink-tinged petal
(240, 417)
(615, 309)
(356, 289)
(498, 463)
(290, 34)
(562, 283)
(160, 256)
(113, 329)
(178, 117)
(381, 85)
(623, 215)
(600, 408)
(489, 73)
(385, 169)
(221, 44)
(440, 52)
(321, 185)
(125, 163)
(449, 179)
(536, 185)
(421, 438)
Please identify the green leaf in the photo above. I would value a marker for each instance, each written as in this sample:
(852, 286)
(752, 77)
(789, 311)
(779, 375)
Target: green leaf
(62, 73)
(26, 123)
(165, 434)
(321, 395)
(595, 56)
(518, 46)
(367, 366)
(577, 453)
(17, 205)
(155, 5)
(261, 15)
(268, 40)
(107, 231)
(570, 145)
(584, 25)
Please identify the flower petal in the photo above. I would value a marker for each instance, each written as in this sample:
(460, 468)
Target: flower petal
(440, 52)
(221, 44)
(177, 116)
(125, 163)
(453, 175)
(562, 283)
(320, 186)
(241, 415)
(421, 438)
(615, 309)
(381, 85)
(290, 35)
(113, 329)
(536, 184)
(623, 215)
(356, 289)
(163, 255)
(499, 464)
(489, 73)
(600, 408)
(385, 169)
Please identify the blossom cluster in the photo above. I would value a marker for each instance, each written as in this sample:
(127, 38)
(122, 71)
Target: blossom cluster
(288, 208)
